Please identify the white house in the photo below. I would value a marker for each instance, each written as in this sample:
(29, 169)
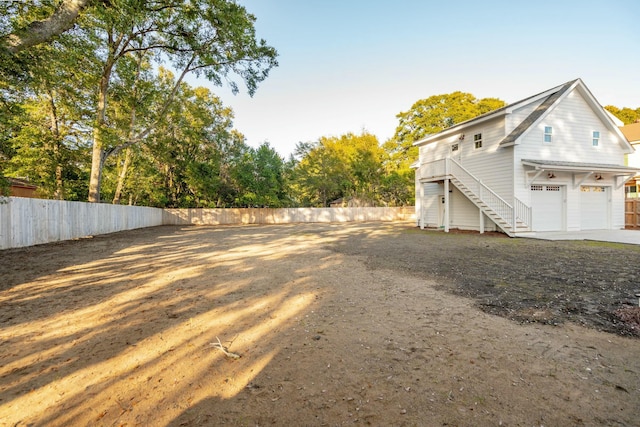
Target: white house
(632, 133)
(553, 161)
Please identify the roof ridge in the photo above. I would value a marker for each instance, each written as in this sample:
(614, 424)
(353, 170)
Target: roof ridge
(537, 113)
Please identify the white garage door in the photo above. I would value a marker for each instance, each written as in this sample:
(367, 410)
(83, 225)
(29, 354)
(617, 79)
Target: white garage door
(546, 208)
(594, 208)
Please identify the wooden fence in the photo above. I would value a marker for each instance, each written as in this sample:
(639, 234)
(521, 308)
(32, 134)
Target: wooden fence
(27, 222)
(632, 213)
(284, 215)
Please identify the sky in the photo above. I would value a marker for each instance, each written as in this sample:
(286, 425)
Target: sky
(353, 65)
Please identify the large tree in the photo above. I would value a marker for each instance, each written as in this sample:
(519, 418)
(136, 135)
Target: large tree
(431, 115)
(334, 167)
(211, 38)
(214, 38)
(45, 21)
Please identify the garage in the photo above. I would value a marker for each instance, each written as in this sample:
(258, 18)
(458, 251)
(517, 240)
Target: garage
(594, 207)
(547, 208)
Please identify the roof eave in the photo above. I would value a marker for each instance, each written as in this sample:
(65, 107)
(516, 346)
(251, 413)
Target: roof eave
(581, 168)
(460, 126)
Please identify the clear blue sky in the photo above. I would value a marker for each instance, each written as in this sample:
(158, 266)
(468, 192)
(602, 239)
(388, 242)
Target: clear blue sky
(349, 65)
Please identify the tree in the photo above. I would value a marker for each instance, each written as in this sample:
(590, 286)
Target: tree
(261, 177)
(426, 116)
(432, 115)
(333, 167)
(215, 38)
(48, 136)
(181, 164)
(626, 114)
(26, 35)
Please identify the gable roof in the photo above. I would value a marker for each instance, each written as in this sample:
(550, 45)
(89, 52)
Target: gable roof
(492, 114)
(538, 113)
(631, 132)
(550, 98)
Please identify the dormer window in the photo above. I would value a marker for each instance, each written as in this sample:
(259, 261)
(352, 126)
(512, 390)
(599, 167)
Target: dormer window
(548, 131)
(595, 138)
(477, 140)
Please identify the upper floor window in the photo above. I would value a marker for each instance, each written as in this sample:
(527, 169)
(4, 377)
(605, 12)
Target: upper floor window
(477, 140)
(595, 140)
(548, 131)
(454, 147)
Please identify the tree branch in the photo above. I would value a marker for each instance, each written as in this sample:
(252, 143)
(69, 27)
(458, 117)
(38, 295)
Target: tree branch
(42, 31)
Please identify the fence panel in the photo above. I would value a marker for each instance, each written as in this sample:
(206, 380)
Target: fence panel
(284, 215)
(632, 213)
(27, 222)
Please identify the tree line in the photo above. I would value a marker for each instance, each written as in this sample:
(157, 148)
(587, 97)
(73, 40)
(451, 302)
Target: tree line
(90, 111)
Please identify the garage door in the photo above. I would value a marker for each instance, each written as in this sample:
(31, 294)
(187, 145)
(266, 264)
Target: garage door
(547, 208)
(594, 208)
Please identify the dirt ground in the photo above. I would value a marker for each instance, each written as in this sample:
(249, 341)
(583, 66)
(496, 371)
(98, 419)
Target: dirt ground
(335, 324)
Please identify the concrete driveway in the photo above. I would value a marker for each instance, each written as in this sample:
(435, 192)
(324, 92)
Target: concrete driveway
(618, 236)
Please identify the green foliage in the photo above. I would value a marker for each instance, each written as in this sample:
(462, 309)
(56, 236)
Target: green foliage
(626, 115)
(260, 177)
(426, 117)
(432, 115)
(350, 166)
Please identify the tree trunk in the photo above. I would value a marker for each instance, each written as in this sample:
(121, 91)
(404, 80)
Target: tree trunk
(41, 31)
(55, 130)
(132, 134)
(121, 177)
(97, 151)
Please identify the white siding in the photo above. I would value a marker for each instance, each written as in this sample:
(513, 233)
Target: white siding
(573, 122)
(464, 214)
(492, 164)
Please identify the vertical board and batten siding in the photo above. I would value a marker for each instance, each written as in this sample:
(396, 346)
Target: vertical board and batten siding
(28, 222)
(573, 122)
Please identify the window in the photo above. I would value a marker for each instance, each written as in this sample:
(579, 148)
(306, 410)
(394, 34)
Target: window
(454, 147)
(631, 191)
(548, 130)
(595, 140)
(477, 140)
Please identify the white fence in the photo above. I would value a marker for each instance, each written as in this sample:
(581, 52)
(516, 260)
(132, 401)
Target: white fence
(27, 222)
(284, 215)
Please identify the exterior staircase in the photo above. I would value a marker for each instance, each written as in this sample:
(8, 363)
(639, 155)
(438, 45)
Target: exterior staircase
(501, 214)
(511, 218)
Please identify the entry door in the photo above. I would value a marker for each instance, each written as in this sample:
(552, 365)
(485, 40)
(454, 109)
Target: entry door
(594, 207)
(547, 207)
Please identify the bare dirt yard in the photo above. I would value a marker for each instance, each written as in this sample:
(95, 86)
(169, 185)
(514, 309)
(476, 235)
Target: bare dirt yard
(322, 324)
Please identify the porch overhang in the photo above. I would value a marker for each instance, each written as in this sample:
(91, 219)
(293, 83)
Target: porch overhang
(580, 171)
